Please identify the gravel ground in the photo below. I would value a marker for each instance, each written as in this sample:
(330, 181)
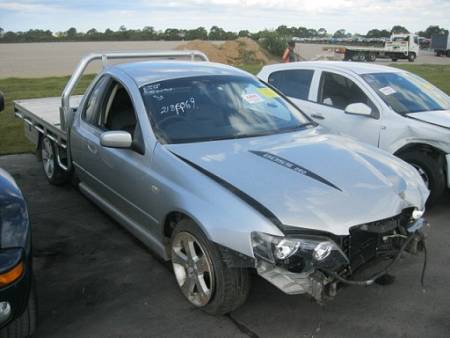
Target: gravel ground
(61, 58)
(95, 280)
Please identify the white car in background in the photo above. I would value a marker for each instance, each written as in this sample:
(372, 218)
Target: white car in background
(387, 107)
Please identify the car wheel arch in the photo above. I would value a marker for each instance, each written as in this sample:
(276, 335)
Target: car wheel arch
(231, 258)
(427, 148)
(431, 164)
(418, 146)
(173, 218)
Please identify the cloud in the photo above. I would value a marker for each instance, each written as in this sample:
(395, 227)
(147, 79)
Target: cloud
(353, 15)
(23, 7)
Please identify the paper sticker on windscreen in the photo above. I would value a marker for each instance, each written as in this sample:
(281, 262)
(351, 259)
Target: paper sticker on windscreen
(252, 98)
(387, 90)
(267, 92)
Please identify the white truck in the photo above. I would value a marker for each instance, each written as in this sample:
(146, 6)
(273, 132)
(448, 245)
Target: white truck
(399, 46)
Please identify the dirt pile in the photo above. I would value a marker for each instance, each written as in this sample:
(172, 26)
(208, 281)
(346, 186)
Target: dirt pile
(235, 52)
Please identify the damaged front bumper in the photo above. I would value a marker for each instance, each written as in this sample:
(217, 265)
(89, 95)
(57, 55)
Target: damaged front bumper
(316, 265)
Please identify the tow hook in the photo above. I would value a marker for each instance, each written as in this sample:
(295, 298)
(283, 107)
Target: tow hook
(417, 244)
(322, 288)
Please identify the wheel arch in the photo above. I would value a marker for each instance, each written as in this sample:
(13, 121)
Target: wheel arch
(173, 217)
(232, 258)
(419, 146)
(434, 151)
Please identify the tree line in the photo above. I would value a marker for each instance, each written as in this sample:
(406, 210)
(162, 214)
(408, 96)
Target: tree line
(201, 33)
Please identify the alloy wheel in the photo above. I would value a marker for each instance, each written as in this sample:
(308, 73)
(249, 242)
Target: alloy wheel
(48, 157)
(193, 269)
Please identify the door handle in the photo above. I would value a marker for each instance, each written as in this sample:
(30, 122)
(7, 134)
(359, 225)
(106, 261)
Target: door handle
(317, 116)
(92, 148)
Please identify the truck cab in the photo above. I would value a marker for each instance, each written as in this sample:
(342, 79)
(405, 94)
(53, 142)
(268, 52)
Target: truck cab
(409, 42)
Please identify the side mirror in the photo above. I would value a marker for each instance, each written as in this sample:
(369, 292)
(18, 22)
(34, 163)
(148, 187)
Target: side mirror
(358, 109)
(116, 139)
(2, 102)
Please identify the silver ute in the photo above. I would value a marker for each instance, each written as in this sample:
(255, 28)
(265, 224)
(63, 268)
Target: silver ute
(220, 173)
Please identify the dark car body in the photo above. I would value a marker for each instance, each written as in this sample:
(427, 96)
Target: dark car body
(15, 249)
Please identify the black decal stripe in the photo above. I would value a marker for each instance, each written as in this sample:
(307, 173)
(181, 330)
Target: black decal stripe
(242, 195)
(292, 166)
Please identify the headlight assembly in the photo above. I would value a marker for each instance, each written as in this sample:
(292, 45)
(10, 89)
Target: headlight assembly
(416, 214)
(298, 253)
(323, 250)
(14, 225)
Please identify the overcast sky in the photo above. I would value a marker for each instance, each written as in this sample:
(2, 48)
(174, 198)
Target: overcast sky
(353, 15)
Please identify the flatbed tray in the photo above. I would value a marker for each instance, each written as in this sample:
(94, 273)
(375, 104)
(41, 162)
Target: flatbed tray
(44, 114)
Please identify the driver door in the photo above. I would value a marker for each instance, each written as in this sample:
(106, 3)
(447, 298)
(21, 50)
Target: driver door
(122, 177)
(335, 93)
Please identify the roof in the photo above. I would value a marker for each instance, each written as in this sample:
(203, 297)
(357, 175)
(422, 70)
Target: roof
(355, 67)
(154, 71)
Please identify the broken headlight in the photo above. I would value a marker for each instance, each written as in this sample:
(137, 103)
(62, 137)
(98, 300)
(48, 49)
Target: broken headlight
(417, 214)
(298, 253)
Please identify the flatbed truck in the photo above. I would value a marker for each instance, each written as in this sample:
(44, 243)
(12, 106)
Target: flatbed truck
(399, 46)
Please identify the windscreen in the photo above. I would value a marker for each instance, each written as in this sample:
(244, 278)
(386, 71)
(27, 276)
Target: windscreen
(407, 93)
(217, 107)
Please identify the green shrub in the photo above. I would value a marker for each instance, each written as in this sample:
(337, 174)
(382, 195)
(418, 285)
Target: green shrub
(273, 42)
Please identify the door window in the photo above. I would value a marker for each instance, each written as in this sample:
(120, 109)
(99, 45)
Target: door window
(338, 92)
(293, 83)
(118, 114)
(92, 108)
(118, 110)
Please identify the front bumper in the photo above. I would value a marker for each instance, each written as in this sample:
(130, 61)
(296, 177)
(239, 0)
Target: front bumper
(323, 284)
(17, 293)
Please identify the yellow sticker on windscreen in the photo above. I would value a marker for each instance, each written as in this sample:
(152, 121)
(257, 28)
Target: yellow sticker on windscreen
(267, 92)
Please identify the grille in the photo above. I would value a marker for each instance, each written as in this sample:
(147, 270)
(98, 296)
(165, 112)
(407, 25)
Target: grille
(362, 244)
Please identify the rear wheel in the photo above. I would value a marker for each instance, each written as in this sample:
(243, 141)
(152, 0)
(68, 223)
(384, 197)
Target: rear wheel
(372, 57)
(55, 174)
(411, 57)
(431, 170)
(25, 325)
(202, 275)
(394, 59)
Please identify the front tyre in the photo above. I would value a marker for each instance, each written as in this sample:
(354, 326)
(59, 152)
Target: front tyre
(25, 325)
(411, 57)
(430, 169)
(202, 275)
(54, 173)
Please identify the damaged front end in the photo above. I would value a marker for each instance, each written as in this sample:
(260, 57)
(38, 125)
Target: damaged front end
(314, 263)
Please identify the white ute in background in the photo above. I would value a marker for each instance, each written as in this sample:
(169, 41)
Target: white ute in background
(387, 107)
